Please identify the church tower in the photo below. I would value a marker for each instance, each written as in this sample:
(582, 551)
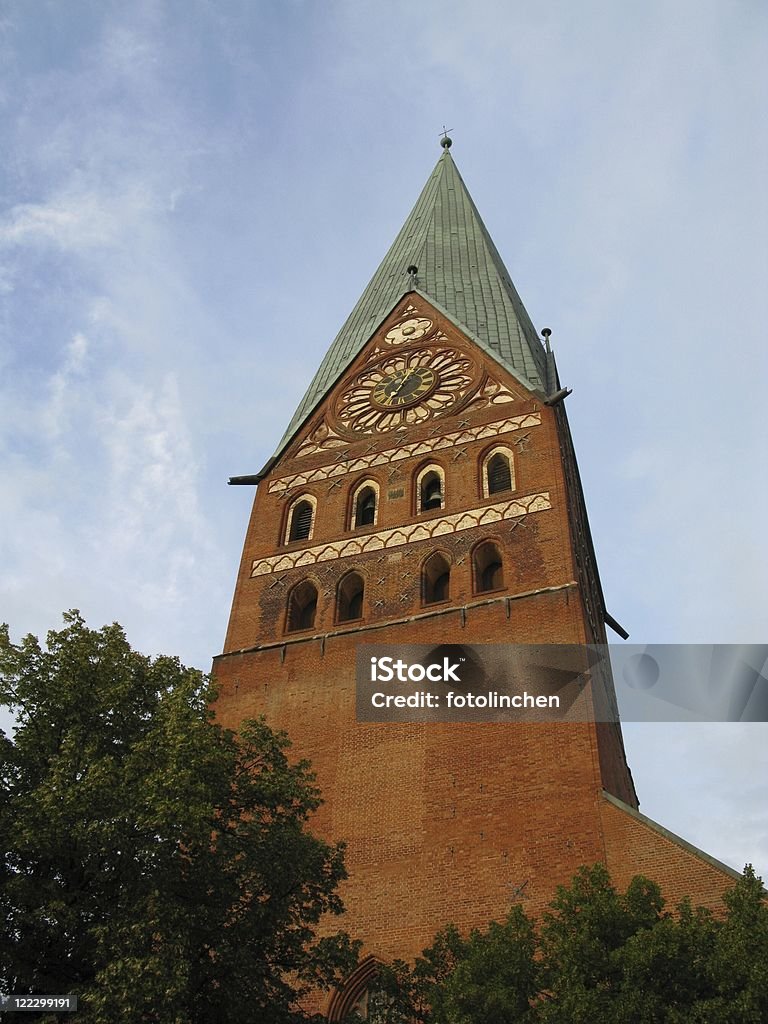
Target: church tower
(426, 491)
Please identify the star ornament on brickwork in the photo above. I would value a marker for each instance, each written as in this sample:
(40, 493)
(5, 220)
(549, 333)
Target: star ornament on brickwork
(520, 521)
(518, 892)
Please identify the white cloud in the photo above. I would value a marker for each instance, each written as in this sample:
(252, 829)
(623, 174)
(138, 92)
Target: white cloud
(706, 782)
(64, 394)
(75, 221)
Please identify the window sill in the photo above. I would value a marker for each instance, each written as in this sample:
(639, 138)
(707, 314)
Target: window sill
(493, 590)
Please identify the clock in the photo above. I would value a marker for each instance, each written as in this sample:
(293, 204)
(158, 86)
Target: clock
(405, 388)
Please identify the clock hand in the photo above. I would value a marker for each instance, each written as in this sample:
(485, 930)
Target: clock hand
(393, 394)
(400, 386)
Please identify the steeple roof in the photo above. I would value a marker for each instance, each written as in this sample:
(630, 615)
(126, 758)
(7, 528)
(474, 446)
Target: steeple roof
(459, 270)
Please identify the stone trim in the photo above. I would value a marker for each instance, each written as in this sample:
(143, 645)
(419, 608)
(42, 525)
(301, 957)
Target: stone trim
(671, 836)
(425, 447)
(399, 535)
(388, 623)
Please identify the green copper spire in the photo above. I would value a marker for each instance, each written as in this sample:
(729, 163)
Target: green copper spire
(458, 269)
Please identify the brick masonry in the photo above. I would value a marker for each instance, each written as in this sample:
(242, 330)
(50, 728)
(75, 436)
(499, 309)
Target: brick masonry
(443, 822)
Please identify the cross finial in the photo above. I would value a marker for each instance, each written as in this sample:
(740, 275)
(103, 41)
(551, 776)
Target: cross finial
(445, 141)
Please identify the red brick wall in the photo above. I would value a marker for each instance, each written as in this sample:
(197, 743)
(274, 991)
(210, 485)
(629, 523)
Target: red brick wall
(444, 822)
(633, 846)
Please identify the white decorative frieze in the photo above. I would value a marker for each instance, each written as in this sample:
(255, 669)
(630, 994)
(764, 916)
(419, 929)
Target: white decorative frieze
(427, 529)
(321, 439)
(406, 451)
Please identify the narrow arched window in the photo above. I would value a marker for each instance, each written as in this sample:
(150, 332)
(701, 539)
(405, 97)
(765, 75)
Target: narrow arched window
(499, 475)
(365, 507)
(349, 598)
(301, 520)
(302, 607)
(430, 491)
(364, 510)
(436, 579)
(489, 571)
(498, 472)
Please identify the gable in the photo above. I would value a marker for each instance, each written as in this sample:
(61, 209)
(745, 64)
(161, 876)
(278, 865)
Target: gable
(416, 374)
(444, 253)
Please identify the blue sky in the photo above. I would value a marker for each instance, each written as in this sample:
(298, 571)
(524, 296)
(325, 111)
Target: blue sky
(193, 196)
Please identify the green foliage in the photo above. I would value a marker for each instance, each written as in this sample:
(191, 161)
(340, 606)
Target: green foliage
(154, 864)
(598, 957)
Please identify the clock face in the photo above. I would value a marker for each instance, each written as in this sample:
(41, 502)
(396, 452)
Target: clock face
(406, 388)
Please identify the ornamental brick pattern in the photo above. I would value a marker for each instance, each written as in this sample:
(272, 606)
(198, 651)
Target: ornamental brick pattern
(392, 454)
(410, 534)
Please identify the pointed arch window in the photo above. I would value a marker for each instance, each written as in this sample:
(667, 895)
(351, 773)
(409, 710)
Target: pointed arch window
(373, 1004)
(430, 489)
(361, 994)
(349, 598)
(365, 504)
(499, 476)
(302, 607)
(488, 567)
(436, 579)
(301, 519)
(498, 472)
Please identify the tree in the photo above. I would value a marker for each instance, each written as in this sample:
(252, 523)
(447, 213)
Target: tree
(598, 957)
(155, 864)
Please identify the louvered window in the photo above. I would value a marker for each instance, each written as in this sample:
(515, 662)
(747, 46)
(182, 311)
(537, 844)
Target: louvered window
(499, 474)
(301, 521)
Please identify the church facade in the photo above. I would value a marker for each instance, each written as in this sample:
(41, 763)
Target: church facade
(426, 491)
